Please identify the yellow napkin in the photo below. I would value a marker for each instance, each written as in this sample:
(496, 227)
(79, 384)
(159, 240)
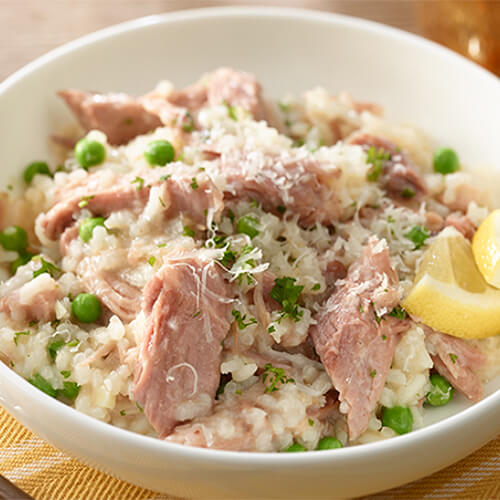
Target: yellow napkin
(48, 474)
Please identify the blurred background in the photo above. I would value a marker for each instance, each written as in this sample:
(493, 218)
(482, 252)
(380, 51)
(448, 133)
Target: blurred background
(30, 28)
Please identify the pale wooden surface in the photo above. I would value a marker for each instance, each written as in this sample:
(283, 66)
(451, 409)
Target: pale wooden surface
(29, 28)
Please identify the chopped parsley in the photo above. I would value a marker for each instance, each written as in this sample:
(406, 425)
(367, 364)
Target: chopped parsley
(254, 203)
(384, 337)
(281, 209)
(228, 258)
(231, 111)
(161, 245)
(194, 183)
(41, 383)
(188, 122)
(73, 343)
(274, 376)
(139, 181)
(248, 225)
(417, 234)
(240, 320)
(453, 357)
(238, 391)
(286, 294)
(376, 157)
(390, 219)
(373, 373)
(361, 308)
(139, 407)
(160, 199)
(53, 347)
(317, 286)
(310, 421)
(123, 413)
(378, 319)
(151, 261)
(188, 232)
(165, 177)
(196, 314)
(65, 373)
(271, 329)
(47, 267)
(230, 215)
(18, 334)
(298, 143)
(69, 391)
(408, 193)
(85, 201)
(399, 313)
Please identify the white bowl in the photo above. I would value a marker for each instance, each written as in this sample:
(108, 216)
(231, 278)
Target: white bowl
(289, 50)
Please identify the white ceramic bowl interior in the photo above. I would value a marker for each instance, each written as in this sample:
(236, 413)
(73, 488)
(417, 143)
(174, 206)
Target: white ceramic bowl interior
(289, 50)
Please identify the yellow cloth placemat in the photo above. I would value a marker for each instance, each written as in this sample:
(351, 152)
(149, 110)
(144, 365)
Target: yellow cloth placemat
(48, 474)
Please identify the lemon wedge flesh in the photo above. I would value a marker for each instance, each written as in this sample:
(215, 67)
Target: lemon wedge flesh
(486, 248)
(449, 293)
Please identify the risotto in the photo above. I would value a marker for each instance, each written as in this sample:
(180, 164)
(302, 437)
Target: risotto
(223, 271)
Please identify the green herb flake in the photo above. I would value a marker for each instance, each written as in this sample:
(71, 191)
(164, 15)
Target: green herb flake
(73, 343)
(240, 319)
(376, 158)
(249, 225)
(140, 183)
(273, 376)
(399, 313)
(160, 199)
(69, 391)
(231, 111)
(230, 215)
(228, 258)
(390, 219)
(194, 183)
(65, 373)
(287, 294)
(238, 391)
(151, 261)
(41, 383)
(165, 177)
(384, 337)
(310, 421)
(271, 329)
(139, 407)
(123, 413)
(317, 286)
(47, 267)
(53, 347)
(418, 235)
(254, 203)
(188, 122)
(188, 232)
(161, 245)
(284, 107)
(85, 201)
(18, 334)
(378, 319)
(408, 193)
(281, 209)
(453, 357)
(361, 308)
(373, 373)
(196, 314)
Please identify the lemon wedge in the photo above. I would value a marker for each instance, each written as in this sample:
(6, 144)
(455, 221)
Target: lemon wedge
(486, 248)
(449, 293)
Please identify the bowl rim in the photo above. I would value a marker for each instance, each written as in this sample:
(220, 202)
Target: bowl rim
(223, 457)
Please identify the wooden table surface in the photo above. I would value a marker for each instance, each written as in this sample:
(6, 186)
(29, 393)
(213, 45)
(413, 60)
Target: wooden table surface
(29, 28)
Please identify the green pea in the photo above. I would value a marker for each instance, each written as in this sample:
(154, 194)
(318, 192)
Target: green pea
(14, 238)
(159, 152)
(441, 391)
(446, 161)
(398, 418)
(37, 167)
(295, 447)
(86, 308)
(248, 225)
(329, 443)
(87, 227)
(89, 153)
(24, 258)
